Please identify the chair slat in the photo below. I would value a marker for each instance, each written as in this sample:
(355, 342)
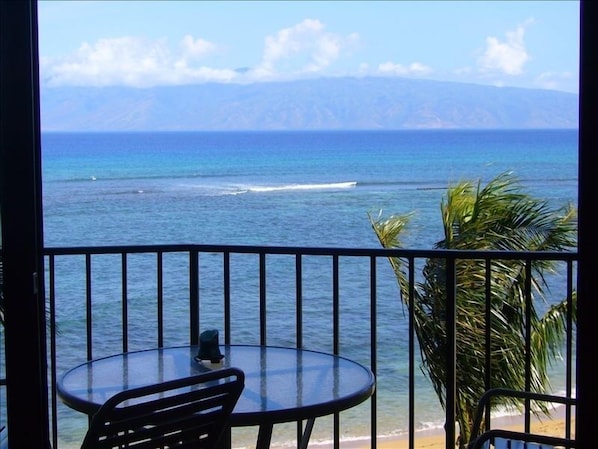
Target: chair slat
(184, 413)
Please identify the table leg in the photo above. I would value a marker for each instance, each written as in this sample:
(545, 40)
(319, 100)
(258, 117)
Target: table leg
(226, 441)
(307, 433)
(264, 436)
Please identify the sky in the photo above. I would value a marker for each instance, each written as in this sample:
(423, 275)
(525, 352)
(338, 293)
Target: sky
(530, 44)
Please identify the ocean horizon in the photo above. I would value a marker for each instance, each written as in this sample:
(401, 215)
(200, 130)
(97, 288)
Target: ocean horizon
(311, 189)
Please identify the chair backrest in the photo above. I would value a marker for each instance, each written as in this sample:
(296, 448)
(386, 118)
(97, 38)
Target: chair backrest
(184, 413)
(511, 439)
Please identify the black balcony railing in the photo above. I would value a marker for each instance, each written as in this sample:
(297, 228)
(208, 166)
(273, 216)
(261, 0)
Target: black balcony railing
(104, 300)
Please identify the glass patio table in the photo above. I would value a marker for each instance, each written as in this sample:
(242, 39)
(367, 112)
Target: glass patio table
(281, 384)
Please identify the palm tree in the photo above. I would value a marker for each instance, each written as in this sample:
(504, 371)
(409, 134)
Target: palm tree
(499, 216)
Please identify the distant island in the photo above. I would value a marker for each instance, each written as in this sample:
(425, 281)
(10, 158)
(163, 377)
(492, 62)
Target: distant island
(371, 103)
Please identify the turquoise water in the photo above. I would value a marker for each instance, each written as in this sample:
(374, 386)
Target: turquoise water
(278, 188)
(293, 188)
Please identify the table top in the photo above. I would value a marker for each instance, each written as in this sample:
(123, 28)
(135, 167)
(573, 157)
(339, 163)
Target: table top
(281, 384)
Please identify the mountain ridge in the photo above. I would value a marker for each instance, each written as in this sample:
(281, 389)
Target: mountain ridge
(317, 104)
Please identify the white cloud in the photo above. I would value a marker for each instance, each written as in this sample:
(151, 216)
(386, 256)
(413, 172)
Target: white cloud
(134, 62)
(413, 69)
(506, 57)
(305, 48)
(302, 50)
(196, 48)
(553, 81)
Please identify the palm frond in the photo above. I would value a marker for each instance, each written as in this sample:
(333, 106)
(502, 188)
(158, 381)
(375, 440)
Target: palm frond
(497, 216)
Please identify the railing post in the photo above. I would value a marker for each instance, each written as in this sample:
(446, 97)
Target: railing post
(226, 292)
(193, 297)
(263, 316)
(124, 302)
(411, 353)
(451, 350)
(88, 303)
(160, 296)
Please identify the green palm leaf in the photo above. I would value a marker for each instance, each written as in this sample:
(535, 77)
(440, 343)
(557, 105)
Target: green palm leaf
(497, 216)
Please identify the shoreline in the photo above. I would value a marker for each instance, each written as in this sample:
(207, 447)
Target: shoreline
(553, 425)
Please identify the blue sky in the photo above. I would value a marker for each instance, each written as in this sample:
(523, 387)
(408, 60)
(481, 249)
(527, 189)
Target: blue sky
(531, 44)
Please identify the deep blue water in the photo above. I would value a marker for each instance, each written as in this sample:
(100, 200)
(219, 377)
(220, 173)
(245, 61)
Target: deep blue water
(277, 188)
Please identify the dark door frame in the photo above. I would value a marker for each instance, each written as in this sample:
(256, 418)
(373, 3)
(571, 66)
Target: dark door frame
(22, 237)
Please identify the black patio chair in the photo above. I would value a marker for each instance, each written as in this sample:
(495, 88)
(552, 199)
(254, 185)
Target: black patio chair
(192, 412)
(510, 439)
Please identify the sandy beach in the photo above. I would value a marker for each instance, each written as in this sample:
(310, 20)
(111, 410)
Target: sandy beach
(422, 441)
(553, 426)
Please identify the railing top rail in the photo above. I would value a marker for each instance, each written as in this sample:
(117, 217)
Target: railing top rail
(317, 251)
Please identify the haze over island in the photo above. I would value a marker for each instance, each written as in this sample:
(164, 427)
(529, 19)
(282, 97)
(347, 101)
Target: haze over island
(334, 103)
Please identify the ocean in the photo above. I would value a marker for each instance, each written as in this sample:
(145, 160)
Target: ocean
(279, 188)
(294, 188)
